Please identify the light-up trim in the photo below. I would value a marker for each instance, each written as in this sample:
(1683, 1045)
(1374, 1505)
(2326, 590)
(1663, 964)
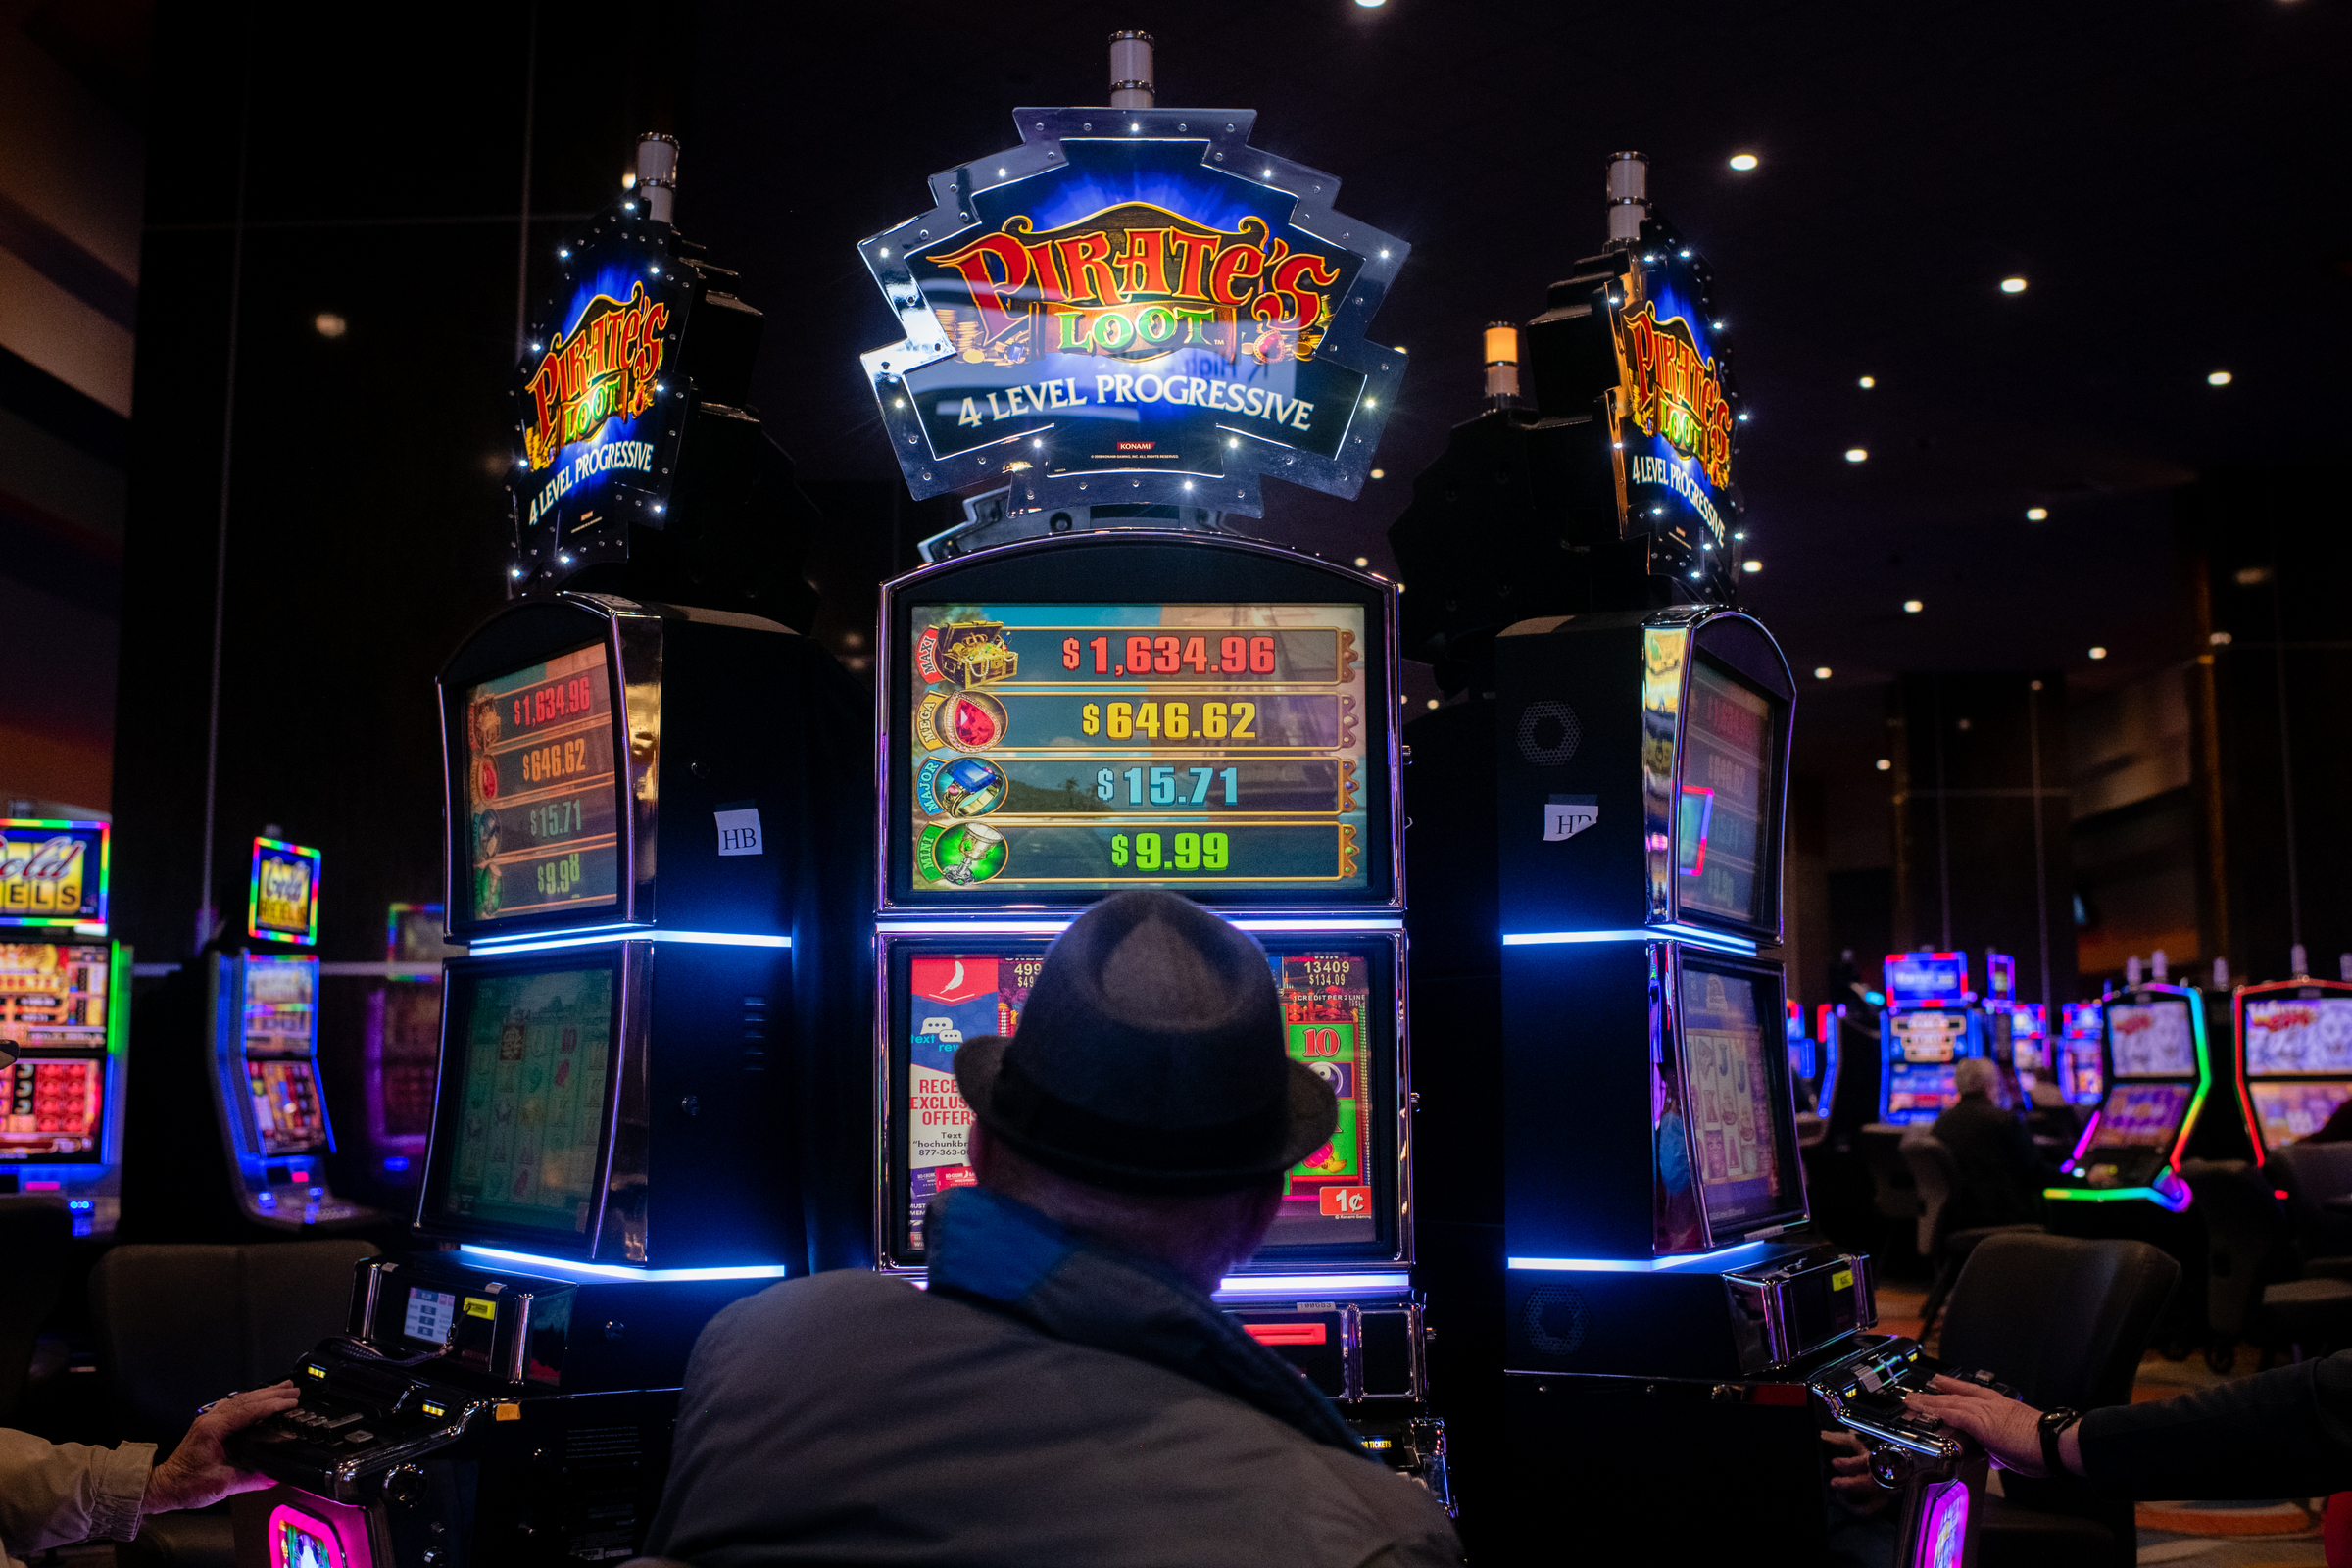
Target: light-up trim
(1050, 928)
(1311, 1284)
(560, 1267)
(1694, 936)
(2108, 1195)
(1636, 1265)
(716, 939)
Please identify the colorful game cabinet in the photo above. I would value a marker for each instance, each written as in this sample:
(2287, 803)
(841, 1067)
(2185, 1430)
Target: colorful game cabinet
(64, 1020)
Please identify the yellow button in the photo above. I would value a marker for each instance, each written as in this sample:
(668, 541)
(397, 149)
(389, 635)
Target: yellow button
(509, 1410)
(480, 1306)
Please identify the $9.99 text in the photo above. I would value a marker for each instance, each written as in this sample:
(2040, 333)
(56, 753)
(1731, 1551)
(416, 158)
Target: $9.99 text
(1192, 852)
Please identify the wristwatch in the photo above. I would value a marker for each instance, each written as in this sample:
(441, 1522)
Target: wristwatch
(2052, 1423)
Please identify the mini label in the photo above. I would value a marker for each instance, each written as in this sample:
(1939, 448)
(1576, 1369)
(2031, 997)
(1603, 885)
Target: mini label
(739, 831)
(480, 1306)
(1843, 1280)
(1567, 816)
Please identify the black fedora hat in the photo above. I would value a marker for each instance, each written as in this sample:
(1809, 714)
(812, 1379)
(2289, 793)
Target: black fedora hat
(1150, 1057)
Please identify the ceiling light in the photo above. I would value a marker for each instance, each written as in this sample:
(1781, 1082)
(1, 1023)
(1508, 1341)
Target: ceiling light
(1751, 566)
(1821, 672)
(1371, 5)
(1380, 473)
(1884, 765)
(1867, 382)
(2218, 379)
(1743, 161)
(1363, 561)
(2098, 652)
(2038, 514)
(1433, 702)
(327, 324)
(1912, 607)
(629, 180)
(2013, 285)
(1857, 455)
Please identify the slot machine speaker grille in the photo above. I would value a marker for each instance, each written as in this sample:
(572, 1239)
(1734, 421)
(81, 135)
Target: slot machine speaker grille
(1556, 1318)
(1549, 733)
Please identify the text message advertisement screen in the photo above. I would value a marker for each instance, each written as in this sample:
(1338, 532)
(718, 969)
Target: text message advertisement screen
(1060, 748)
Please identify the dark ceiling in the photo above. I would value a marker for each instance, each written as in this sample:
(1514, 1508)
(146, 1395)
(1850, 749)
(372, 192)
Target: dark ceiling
(2166, 178)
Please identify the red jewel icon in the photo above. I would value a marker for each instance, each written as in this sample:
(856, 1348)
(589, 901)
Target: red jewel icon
(974, 724)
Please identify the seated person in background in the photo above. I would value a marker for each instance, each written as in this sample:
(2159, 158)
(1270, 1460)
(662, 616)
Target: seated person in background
(58, 1494)
(2285, 1433)
(1065, 1391)
(2002, 1176)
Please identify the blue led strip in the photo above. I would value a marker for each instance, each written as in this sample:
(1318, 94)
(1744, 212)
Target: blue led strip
(720, 939)
(564, 1267)
(1639, 1265)
(1694, 936)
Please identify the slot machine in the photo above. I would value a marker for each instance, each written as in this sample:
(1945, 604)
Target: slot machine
(655, 862)
(65, 1021)
(1928, 1027)
(2157, 1073)
(1226, 738)
(2082, 1063)
(401, 1053)
(2294, 1057)
(1597, 856)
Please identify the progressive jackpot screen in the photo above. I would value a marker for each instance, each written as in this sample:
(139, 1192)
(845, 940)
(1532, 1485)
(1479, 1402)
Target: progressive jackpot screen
(1723, 819)
(2298, 1035)
(1328, 1004)
(1069, 748)
(542, 832)
(2151, 1039)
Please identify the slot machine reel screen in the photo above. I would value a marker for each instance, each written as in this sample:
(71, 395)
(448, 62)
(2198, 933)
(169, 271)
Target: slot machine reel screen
(1725, 815)
(522, 1139)
(1338, 1003)
(1737, 1096)
(1921, 1091)
(540, 782)
(1050, 751)
(2143, 1115)
(2309, 1035)
(2151, 1039)
(278, 1028)
(2294, 1109)
(53, 1015)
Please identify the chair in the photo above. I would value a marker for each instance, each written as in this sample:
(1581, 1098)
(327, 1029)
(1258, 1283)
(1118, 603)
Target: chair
(2064, 1322)
(35, 1234)
(2246, 1252)
(1894, 1193)
(1936, 1175)
(2310, 1174)
(179, 1326)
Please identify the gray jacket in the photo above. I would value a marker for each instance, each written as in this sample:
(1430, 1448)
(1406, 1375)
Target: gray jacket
(1045, 1402)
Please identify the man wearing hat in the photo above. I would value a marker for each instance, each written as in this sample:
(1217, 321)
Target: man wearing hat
(1065, 1391)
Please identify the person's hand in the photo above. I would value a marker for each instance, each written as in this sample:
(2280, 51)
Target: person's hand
(1850, 1479)
(198, 1474)
(2009, 1429)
